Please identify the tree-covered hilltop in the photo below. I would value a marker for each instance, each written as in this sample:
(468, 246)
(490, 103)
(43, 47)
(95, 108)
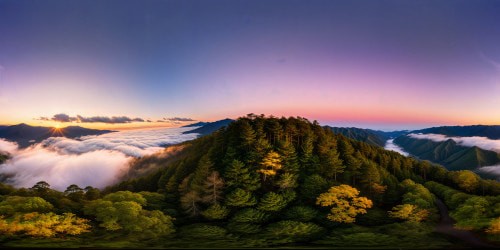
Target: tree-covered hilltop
(261, 182)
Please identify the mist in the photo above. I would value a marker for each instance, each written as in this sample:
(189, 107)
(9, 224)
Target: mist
(390, 145)
(96, 161)
(491, 170)
(478, 141)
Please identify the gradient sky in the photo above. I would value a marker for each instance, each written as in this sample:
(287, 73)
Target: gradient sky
(377, 64)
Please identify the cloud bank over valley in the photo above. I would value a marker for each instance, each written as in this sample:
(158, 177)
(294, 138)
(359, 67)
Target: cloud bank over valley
(390, 145)
(478, 141)
(97, 161)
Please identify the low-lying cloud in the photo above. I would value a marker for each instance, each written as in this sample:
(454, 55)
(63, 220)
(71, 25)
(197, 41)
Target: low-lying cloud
(97, 161)
(102, 119)
(390, 145)
(7, 147)
(491, 170)
(478, 141)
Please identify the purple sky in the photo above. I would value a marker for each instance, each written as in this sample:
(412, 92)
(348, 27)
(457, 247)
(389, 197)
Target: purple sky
(377, 64)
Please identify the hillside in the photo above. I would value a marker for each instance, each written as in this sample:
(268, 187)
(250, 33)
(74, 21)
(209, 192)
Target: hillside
(491, 131)
(373, 137)
(258, 182)
(448, 153)
(25, 135)
(210, 127)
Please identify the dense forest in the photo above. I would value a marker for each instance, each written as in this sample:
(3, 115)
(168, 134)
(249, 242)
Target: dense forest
(260, 182)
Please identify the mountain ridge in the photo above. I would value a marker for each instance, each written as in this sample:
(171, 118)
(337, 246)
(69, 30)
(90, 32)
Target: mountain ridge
(25, 135)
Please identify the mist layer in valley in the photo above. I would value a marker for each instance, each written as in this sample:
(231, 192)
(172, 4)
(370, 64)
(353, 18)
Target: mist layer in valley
(390, 145)
(96, 161)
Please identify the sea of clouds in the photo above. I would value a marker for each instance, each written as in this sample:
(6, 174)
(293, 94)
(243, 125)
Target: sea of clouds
(96, 161)
(478, 141)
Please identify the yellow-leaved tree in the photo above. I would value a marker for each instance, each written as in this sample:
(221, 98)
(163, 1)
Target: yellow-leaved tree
(270, 164)
(494, 227)
(409, 212)
(345, 203)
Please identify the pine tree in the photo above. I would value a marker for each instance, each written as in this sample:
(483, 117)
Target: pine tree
(239, 176)
(213, 188)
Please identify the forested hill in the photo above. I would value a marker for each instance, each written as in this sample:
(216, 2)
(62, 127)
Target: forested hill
(265, 176)
(373, 137)
(369, 136)
(489, 131)
(261, 182)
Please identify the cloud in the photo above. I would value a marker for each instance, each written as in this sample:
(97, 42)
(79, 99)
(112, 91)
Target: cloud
(390, 145)
(97, 161)
(491, 170)
(80, 119)
(7, 146)
(105, 119)
(96, 168)
(478, 141)
(63, 118)
(179, 119)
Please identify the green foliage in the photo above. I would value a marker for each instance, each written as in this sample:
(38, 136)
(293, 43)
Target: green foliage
(409, 212)
(240, 198)
(154, 201)
(472, 214)
(250, 215)
(215, 212)
(466, 180)
(470, 211)
(293, 231)
(18, 204)
(239, 176)
(203, 231)
(301, 213)
(244, 228)
(272, 202)
(313, 186)
(122, 212)
(125, 196)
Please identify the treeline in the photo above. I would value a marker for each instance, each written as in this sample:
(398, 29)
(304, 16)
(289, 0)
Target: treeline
(264, 181)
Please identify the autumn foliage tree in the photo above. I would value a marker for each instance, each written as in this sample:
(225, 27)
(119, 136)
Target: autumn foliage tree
(270, 164)
(409, 212)
(344, 202)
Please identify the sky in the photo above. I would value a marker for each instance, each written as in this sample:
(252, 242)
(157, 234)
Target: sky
(372, 64)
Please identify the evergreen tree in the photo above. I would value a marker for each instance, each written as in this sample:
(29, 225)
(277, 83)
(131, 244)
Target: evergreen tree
(239, 176)
(213, 188)
(240, 198)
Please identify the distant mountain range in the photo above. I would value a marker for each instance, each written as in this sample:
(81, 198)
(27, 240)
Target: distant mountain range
(374, 137)
(198, 124)
(210, 127)
(26, 135)
(491, 131)
(447, 153)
